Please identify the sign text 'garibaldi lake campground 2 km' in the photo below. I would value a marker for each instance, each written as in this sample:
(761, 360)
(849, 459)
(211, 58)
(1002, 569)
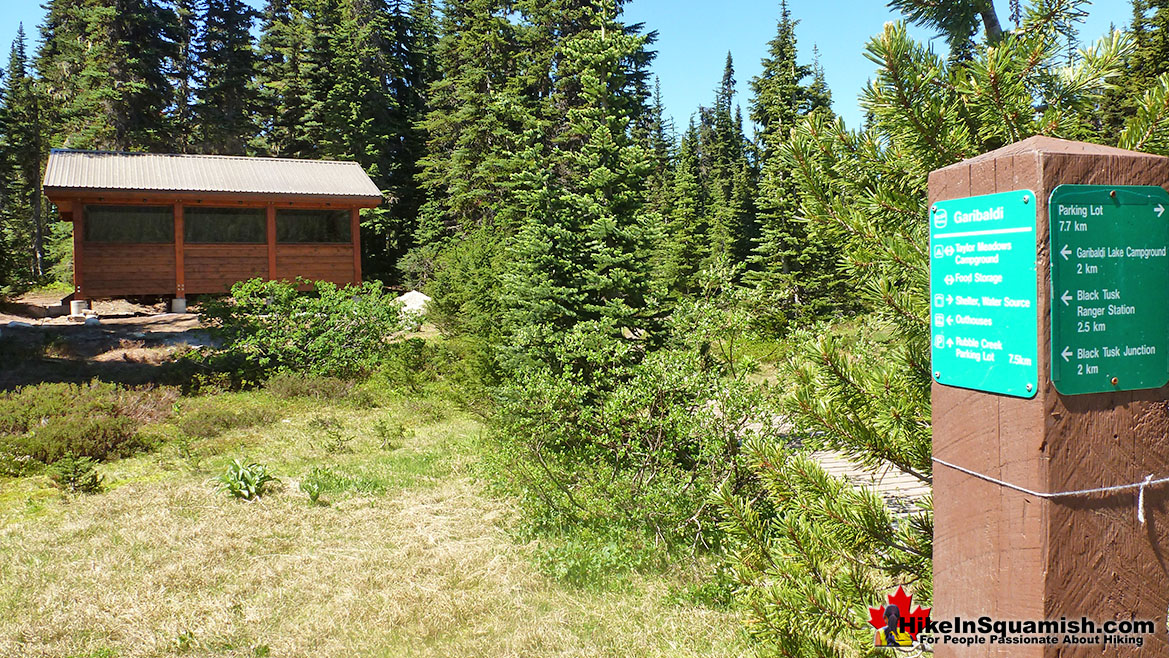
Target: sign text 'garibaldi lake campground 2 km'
(983, 311)
(1110, 288)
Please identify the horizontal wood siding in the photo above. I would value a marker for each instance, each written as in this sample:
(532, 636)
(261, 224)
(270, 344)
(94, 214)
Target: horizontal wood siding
(318, 262)
(116, 270)
(213, 268)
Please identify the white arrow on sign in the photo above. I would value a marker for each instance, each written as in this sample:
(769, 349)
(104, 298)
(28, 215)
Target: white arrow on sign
(1066, 298)
(1065, 252)
(949, 299)
(1160, 210)
(1066, 353)
(949, 319)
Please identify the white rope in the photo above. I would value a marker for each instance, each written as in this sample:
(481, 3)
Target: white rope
(1140, 486)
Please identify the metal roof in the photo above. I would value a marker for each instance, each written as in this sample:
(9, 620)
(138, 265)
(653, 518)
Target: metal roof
(157, 172)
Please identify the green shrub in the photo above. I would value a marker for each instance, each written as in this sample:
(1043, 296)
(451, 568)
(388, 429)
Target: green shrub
(97, 420)
(246, 481)
(336, 332)
(391, 433)
(615, 438)
(410, 364)
(215, 418)
(75, 474)
(325, 480)
(336, 441)
(287, 385)
(585, 557)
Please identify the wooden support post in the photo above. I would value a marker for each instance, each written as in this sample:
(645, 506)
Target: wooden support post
(271, 242)
(1014, 556)
(78, 250)
(180, 246)
(355, 229)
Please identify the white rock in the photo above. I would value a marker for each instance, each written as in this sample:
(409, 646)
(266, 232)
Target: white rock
(414, 302)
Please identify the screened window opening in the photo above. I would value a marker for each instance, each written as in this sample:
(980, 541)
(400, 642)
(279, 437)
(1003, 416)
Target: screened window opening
(129, 224)
(299, 226)
(225, 225)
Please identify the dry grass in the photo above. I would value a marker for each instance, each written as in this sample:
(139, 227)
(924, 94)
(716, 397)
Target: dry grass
(161, 565)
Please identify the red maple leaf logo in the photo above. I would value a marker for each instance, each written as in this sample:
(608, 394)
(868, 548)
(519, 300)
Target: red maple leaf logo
(912, 622)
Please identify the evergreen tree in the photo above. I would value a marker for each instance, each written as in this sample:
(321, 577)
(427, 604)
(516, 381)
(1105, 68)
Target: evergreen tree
(834, 548)
(224, 103)
(281, 81)
(184, 71)
(728, 176)
(581, 256)
(1149, 61)
(109, 61)
(794, 276)
(685, 244)
(478, 111)
(23, 148)
(957, 20)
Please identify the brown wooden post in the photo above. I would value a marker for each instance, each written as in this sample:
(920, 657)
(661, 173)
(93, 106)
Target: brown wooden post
(355, 230)
(1011, 555)
(78, 212)
(180, 246)
(271, 242)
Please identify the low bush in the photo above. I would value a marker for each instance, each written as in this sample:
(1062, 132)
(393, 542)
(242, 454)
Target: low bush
(272, 327)
(637, 445)
(216, 418)
(598, 558)
(288, 385)
(247, 481)
(75, 474)
(390, 433)
(96, 420)
(410, 364)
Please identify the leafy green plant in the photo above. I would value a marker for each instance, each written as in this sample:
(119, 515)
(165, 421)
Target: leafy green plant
(337, 332)
(323, 479)
(391, 434)
(246, 481)
(311, 486)
(75, 474)
(337, 442)
(187, 452)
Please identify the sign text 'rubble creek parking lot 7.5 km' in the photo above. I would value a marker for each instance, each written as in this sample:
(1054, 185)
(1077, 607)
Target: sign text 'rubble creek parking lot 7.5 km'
(983, 311)
(1109, 286)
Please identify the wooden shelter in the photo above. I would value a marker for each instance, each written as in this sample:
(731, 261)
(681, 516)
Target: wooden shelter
(173, 225)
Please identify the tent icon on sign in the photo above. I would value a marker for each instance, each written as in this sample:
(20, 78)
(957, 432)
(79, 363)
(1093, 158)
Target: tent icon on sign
(940, 218)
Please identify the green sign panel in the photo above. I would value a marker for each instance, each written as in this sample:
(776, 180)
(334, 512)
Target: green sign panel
(1109, 280)
(983, 311)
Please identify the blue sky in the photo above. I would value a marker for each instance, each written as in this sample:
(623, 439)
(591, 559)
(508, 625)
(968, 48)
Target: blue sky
(695, 35)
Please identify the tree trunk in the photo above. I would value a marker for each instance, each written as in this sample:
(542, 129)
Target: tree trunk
(38, 244)
(990, 20)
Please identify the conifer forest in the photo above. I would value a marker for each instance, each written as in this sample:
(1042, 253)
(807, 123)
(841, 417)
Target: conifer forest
(660, 327)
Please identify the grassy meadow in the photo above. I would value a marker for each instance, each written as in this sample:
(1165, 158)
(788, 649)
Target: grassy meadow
(408, 551)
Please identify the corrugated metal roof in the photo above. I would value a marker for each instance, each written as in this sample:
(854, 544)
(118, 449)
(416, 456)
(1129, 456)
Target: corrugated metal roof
(156, 172)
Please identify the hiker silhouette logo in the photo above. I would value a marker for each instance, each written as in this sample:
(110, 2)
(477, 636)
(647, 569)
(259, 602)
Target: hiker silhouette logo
(896, 625)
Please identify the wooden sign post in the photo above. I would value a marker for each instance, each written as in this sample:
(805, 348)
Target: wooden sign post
(1010, 555)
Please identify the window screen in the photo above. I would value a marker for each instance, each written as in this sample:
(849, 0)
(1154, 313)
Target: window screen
(218, 225)
(129, 224)
(312, 226)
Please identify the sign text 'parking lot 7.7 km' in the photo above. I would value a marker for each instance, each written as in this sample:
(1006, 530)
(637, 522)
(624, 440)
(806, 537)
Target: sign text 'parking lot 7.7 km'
(983, 291)
(1109, 278)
